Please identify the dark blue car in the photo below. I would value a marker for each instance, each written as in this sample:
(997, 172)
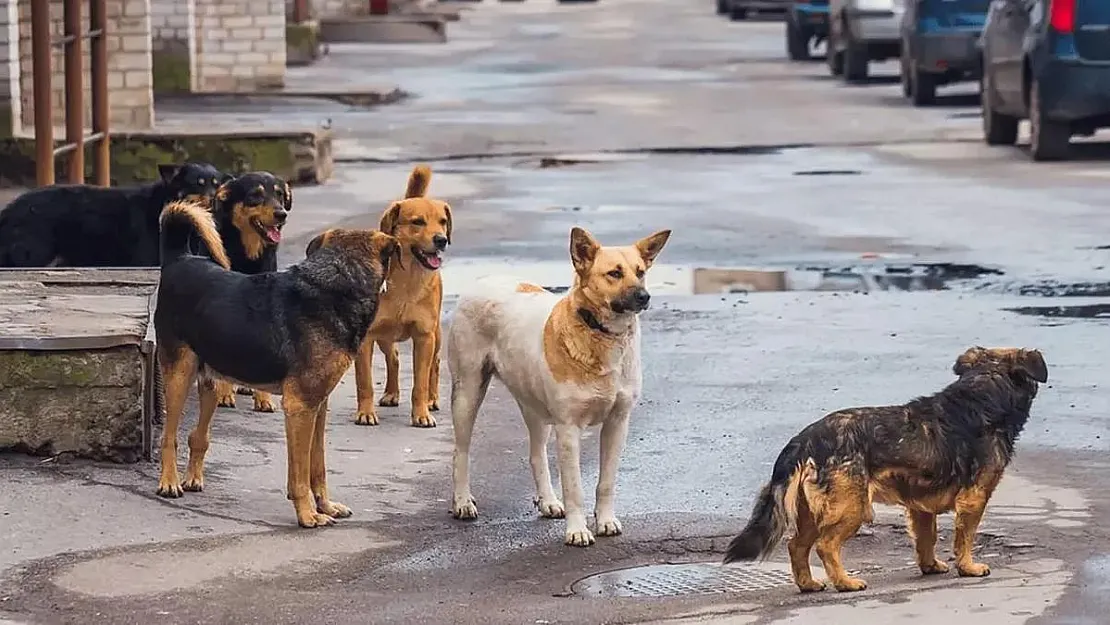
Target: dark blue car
(1047, 61)
(807, 22)
(940, 45)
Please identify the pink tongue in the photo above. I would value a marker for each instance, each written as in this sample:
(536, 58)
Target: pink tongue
(433, 261)
(274, 234)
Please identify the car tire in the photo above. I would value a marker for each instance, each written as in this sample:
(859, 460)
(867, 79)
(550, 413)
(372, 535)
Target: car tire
(797, 42)
(1049, 140)
(855, 62)
(923, 87)
(998, 128)
(737, 14)
(722, 7)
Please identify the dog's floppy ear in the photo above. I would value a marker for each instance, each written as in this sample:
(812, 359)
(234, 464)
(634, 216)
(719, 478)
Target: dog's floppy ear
(166, 171)
(1031, 362)
(225, 178)
(316, 243)
(649, 247)
(447, 209)
(583, 249)
(224, 190)
(387, 246)
(967, 360)
(390, 218)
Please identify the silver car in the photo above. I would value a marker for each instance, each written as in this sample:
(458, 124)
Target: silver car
(861, 31)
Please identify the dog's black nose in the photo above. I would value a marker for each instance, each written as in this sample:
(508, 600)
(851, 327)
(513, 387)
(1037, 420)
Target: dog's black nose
(280, 216)
(641, 297)
(440, 242)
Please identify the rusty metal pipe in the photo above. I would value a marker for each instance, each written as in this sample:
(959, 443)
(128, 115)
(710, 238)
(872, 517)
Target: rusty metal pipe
(98, 68)
(75, 93)
(300, 11)
(44, 114)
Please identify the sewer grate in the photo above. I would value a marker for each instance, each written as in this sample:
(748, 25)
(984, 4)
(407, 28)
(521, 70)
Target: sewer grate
(670, 580)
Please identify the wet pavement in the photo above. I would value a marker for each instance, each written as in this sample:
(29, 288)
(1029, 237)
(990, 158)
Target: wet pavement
(832, 247)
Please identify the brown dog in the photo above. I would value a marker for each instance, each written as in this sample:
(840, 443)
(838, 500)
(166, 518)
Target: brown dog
(935, 454)
(410, 306)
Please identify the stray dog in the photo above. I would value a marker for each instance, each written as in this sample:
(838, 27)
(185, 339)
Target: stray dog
(570, 362)
(943, 452)
(250, 211)
(292, 332)
(410, 306)
(90, 226)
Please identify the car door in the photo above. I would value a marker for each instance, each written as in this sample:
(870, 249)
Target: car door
(1005, 53)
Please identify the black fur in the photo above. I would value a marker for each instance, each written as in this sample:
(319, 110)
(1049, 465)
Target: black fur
(90, 226)
(261, 329)
(243, 189)
(945, 439)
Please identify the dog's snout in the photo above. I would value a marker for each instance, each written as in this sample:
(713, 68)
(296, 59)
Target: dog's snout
(440, 241)
(280, 216)
(641, 297)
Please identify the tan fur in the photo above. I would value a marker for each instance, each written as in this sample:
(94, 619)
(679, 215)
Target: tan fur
(205, 225)
(247, 220)
(528, 287)
(419, 180)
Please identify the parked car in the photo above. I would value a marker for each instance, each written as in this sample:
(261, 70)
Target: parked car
(940, 45)
(807, 21)
(861, 31)
(1047, 61)
(740, 9)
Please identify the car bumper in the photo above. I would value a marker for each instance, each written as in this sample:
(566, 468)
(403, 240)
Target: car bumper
(938, 53)
(1073, 91)
(874, 26)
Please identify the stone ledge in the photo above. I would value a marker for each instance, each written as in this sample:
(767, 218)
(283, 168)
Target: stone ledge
(302, 43)
(384, 29)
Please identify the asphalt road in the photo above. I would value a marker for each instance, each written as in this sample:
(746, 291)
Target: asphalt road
(625, 117)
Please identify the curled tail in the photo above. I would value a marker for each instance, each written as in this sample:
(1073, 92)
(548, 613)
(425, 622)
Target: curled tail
(179, 222)
(419, 180)
(775, 510)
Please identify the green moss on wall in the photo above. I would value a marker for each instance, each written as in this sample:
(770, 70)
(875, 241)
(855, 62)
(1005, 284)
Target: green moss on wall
(302, 43)
(171, 72)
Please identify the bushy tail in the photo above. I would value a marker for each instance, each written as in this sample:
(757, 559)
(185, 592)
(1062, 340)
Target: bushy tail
(419, 180)
(182, 219)
(774, 512)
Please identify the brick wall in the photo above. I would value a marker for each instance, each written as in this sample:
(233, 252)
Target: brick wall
(9, 69)
(129, 66)
(240, 44)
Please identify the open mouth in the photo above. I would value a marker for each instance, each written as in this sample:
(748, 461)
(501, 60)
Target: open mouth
(270, 233)
(431, 260)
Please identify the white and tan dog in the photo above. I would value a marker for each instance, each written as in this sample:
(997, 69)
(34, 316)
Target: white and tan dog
(570, 362)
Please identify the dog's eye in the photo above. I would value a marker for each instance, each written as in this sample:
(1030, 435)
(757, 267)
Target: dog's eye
(419, 221)
(443, 222)
(640, 273)
(201, 182)
(616, 274)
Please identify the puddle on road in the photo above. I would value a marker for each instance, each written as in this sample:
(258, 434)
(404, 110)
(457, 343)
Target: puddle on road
(862, 277)
(1086, 311)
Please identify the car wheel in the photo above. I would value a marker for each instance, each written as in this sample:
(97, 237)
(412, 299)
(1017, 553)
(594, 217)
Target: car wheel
(855, 62)
(1049, 140)
(737, 14)
(998, 128)
(722, 7)
(797, 42)
(923, 87)
(905, 76)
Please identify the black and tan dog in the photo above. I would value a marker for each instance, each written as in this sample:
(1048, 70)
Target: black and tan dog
(250, 211)
(90, 226)
(293, 332)
(410, 307)
(936, 454)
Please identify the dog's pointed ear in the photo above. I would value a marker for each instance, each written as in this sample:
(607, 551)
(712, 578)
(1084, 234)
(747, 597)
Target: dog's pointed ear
(650, 246)
(316, 243)
(390, 218)
(1031, 361)
(225, 178)
(967, 360)
(447, 209)
(583, 249)
(166, 171)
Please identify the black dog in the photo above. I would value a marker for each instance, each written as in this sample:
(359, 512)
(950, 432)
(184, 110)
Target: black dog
(90, 226)
(293, 332)
(935, 454)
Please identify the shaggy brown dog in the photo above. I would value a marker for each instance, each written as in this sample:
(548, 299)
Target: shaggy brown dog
(935, 454)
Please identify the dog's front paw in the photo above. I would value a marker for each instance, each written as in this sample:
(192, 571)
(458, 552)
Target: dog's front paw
(225, 397)
(433, 404)
(333, 509)
(169, 488)
(423, 420)
(550, 508)
(850, 584)
(193, 483)
(936, 568)
(366, 417)
(464, 508)
(974, 569)
(314, 519)
(579, 537)
(811, 585)
(610, 526)
(263, 402)
(389, 399)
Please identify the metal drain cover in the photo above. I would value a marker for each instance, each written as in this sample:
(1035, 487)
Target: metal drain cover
(670, 580)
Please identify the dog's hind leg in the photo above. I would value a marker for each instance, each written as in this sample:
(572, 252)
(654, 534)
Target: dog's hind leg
(613, 434)
(538, 433)
(179, 369)
(318, 478)
(799, 547)
(923, 529)
(200, 437)
(225, 394)
(392, 395)
(263, 401)
(971, 503)
(840, 509)
(364, 384)
(469, 384)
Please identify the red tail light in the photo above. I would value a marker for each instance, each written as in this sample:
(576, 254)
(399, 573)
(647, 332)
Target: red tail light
(1061, 14)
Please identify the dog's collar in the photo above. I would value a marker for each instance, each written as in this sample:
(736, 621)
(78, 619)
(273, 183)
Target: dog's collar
(591, 321)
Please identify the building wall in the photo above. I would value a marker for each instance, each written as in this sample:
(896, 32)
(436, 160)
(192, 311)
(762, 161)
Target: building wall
(9, 69)
(173, 45)
(240, 45)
